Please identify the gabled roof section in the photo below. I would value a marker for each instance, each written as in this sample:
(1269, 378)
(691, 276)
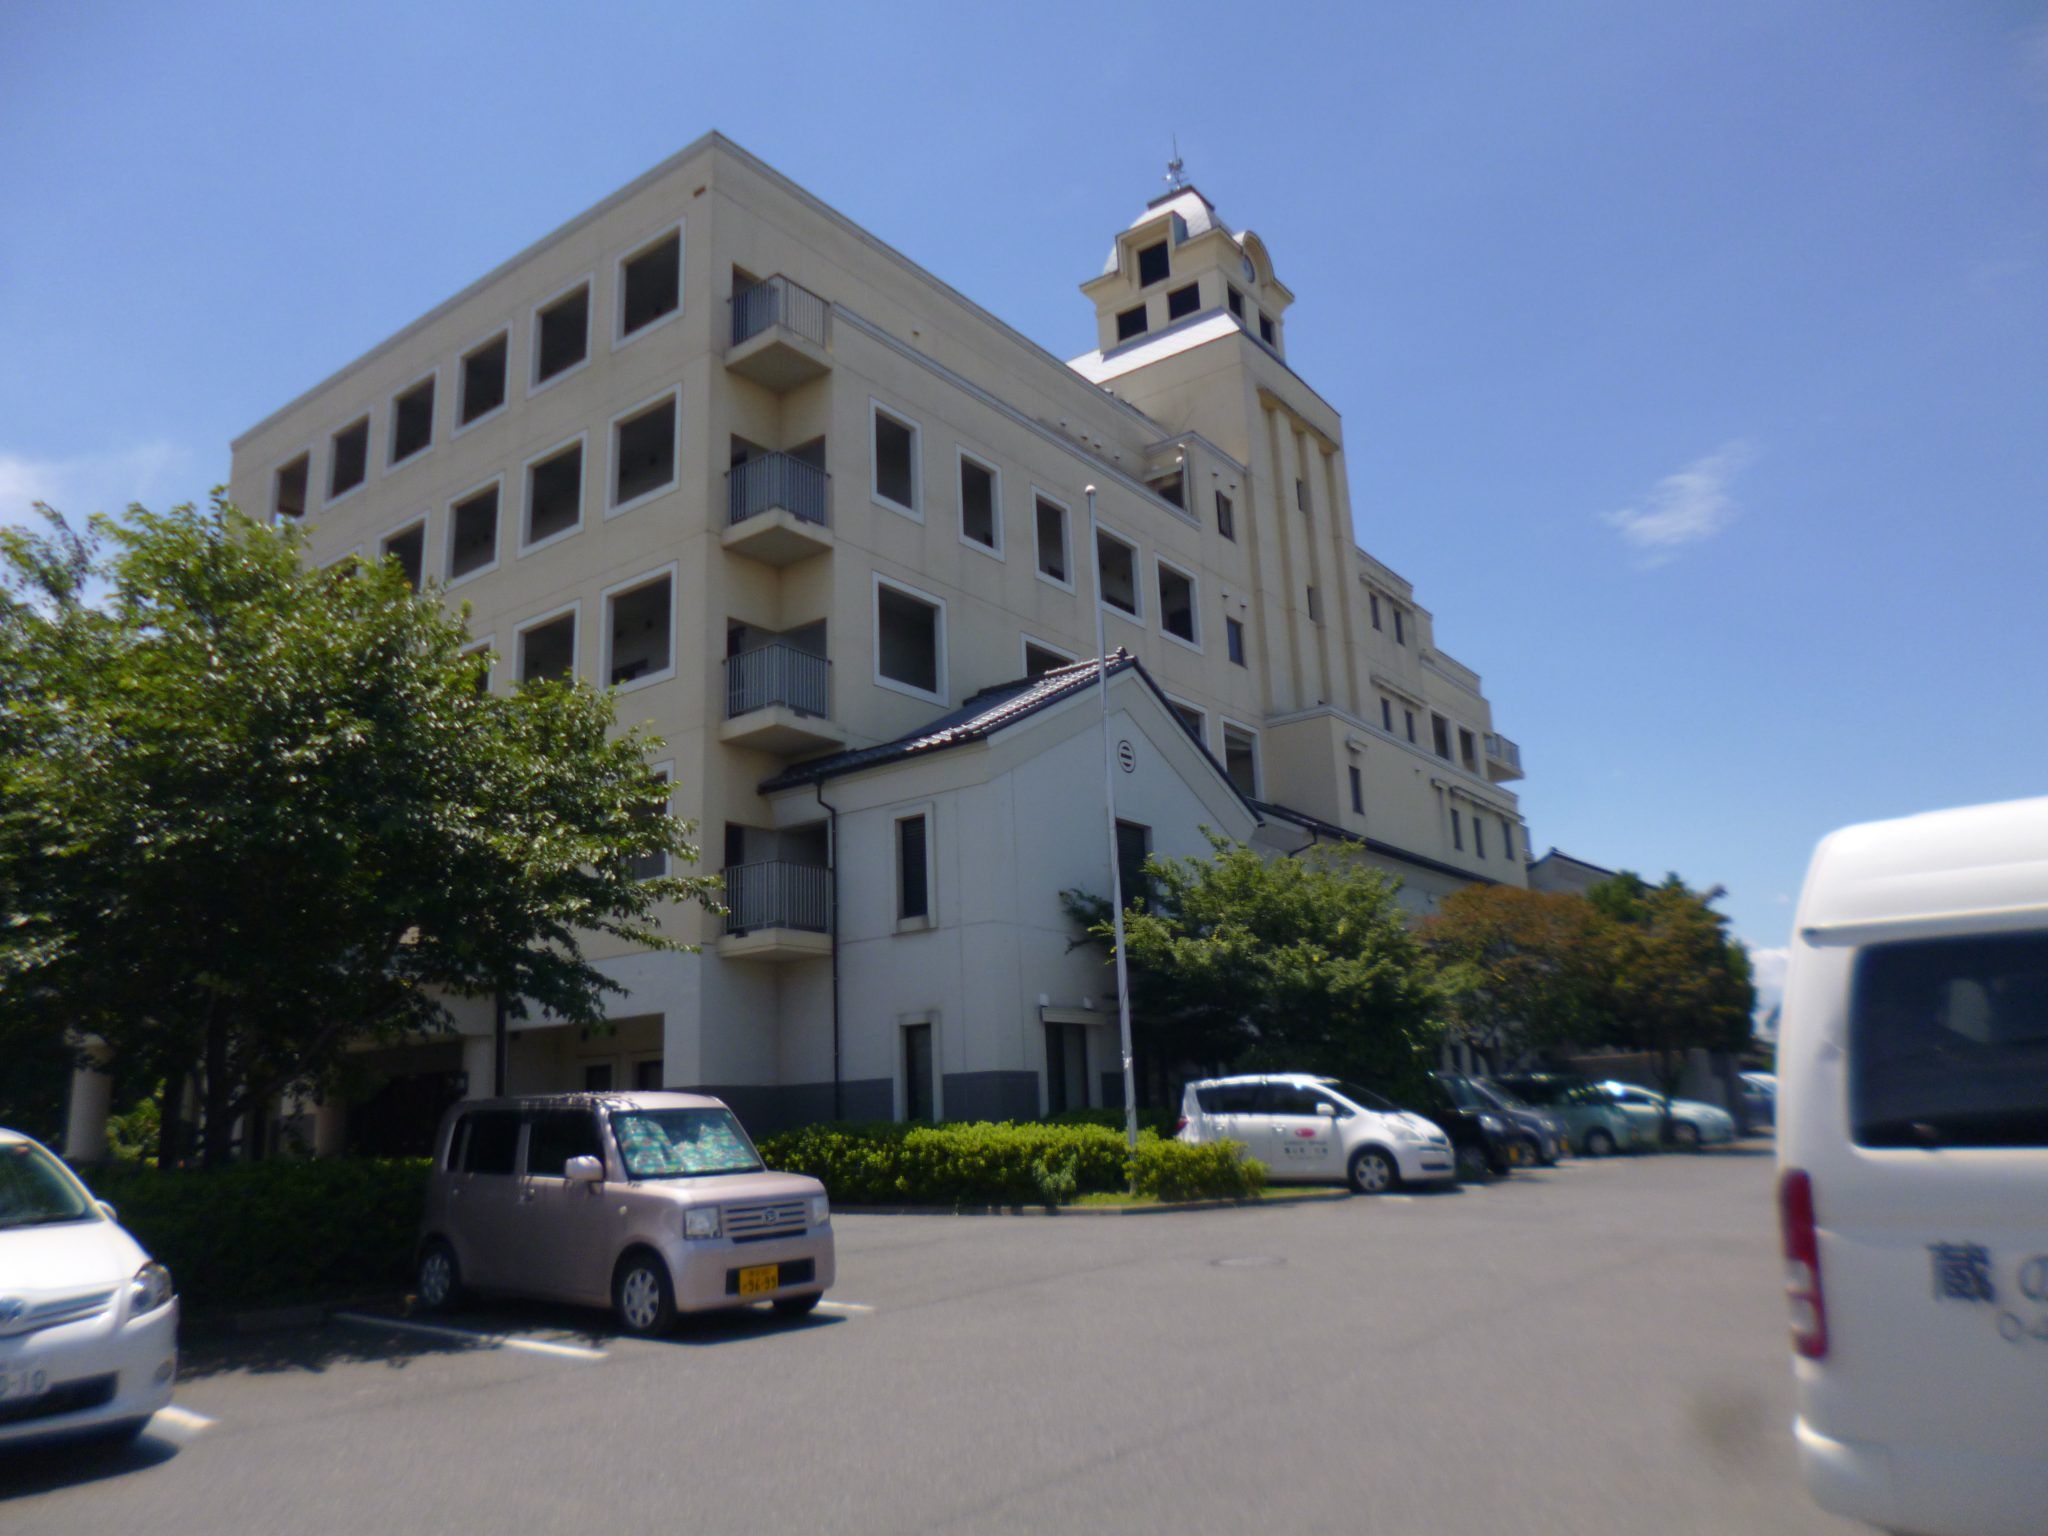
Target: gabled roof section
(1328, 830)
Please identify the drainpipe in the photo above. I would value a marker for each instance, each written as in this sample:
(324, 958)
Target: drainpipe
(832, 863)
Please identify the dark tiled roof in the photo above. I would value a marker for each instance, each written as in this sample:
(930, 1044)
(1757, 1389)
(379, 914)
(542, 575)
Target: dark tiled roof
(1336, 833)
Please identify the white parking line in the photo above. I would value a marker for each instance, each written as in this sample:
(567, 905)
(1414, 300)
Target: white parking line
(182, 1422)
(492, 1340)
(843, 1306)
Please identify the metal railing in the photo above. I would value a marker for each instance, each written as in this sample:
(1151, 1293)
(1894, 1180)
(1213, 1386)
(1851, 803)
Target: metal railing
(777, 480)
(1500, 750)
(777, 673)
(775, 894)
(778, 301)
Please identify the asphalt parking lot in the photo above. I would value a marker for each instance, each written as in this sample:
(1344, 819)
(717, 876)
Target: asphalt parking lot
(1595, 1348)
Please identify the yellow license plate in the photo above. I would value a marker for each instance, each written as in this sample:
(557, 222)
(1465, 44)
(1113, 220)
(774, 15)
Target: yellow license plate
(760, 1279)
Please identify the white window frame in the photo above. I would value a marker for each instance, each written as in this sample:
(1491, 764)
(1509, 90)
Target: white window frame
(488, 647)
(928, 811)
(449, 579)
(1103, 530)
(961, 458)
(520, 631)
(368, 421)
(929, 1020)
(579, 440)
(875, 639)
(459, 426)
(1161, 564)
(667, 769)
(1224, 728)
(1066, 532)
(1024, 643)
(311, 454)
(534, 383)
(1201, 713)
(915, 513)
(620, 338)
(674, 395)
(433, 376)
(633, 583)
(353, 552)
(421, 521)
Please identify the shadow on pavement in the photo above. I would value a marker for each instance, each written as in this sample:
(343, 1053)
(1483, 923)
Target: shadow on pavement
(53, 1464)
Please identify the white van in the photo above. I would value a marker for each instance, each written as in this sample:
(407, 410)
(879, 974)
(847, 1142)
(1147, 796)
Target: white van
(1913, 1171)
(1317, 1128)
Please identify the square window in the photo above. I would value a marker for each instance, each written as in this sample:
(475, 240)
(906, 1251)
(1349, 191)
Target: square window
(913, 872)
(561, 336)
(1241, 760)
(289, 488)
(1041, 659)
(978, 517)
(409, 549)
(412, 421)
(349, 463)
(483, 379)
(1233, 639)
(473, 533)
(547, 652)
(641, 631)
(1226, 517)
(895, 462)
(909, 639)
(1130, 322)
(1118, 564)
(1177, 605)
(1182, 302)
(647, 1076)
(651, 284)
(1171, 489)
(644, 453)
(1152, 265)
(1052, 541)
(554, 494)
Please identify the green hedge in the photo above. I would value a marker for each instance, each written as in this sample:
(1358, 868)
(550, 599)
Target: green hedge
(1160, 1122)
(1004, 1164)
(276, 1232)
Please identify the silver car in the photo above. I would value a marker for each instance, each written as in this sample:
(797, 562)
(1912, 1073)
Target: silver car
(650, 1203)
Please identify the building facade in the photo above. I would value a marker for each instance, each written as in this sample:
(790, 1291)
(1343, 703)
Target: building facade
(713, 444)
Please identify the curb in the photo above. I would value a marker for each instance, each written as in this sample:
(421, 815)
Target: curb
(1312, 1198)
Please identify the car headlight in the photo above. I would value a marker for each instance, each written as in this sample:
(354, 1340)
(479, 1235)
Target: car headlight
(1489, 1123)
(150, 1289)
(821, 1207)
(700, 1221)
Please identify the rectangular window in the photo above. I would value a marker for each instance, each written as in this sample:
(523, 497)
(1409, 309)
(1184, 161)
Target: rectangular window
(909, 640)
(1400, 629)
(554, 495)
(1315, 607)
(288, 490)
(597, 1077)
(979, 519)
(348, 462)
(1467, 754)
(409, 549)
(1130, 323)
(647, 1077)
(1373, 600)
(1507, 839)
(896, 475)
(561, 335)
(1066, 1068)
(640, 632)
(1182, 302)
(412, 421)
(651, 284)
(1440, 736)
(1409, 716)
(1177, 604)
(913, 870)
(1478, 837)
(1233, 639)
(644, 454)
(482, 387)
(553, 1136)
(1235, 300)
(547, 651)
(1052, 541)
(649, 866)
(1265, 329)
(1457, 831)
(1357, 789)
(1301, 494)
(1226, 517)
(1133, 848)
(491, 1145)
(1190, 717)
(918, 1100)
(1241, 759)
(1118, 564)
(1387, 716)
(473, 533)
(1152, 265)
(1041, 659)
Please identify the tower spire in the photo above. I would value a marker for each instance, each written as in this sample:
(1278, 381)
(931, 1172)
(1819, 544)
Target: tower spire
(1174, 180)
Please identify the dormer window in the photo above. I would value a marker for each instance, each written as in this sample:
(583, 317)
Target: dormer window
(1152, 266)
(1183, 301)
(1130, 323)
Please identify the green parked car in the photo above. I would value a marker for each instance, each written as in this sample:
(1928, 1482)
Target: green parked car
(1597, 1123)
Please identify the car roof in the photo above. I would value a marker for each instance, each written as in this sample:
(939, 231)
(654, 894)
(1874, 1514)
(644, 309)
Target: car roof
(9, 1138)
(1976, 869)
(1303, 1079)
(620, 1100)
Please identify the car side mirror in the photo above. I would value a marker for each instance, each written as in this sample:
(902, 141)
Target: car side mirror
(1327, 1111)
(583, 1170)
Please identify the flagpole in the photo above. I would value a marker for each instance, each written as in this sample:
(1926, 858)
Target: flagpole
(1116, 885)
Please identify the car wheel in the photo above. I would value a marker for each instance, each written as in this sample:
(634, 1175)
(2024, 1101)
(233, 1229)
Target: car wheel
(1372, 1172)
(1599, 1142)
(1686, 1136)
(439, 1282)
(643, 1296)
(798, 1306)
(1471, 1163)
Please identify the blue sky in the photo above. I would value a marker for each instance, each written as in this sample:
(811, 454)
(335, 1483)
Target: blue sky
(1694, 360)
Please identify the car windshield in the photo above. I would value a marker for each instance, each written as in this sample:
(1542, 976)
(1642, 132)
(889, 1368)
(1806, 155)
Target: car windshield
(1365, 1098)
(1463, 1094)
(35, 1191)
(682, 1143)
(1500, 1095)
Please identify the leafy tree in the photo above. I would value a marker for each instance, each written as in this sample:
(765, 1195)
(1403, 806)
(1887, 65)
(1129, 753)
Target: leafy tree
(1298, 964)
(1524, 970)
(251, 812)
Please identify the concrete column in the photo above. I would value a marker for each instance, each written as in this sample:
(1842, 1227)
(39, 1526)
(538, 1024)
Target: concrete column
(85, 1126)
(330, 1129)
(478, 1052)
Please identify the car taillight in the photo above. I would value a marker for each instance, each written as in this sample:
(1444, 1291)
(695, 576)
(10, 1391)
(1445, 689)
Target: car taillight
(1180, 1125)
(1802, 1264)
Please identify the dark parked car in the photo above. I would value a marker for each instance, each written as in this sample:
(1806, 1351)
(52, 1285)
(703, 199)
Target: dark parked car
(1485, 1140)
(1549, 1137)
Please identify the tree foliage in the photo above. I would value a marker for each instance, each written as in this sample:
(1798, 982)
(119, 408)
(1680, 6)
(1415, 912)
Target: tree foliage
(1523, 970)
(252, 811)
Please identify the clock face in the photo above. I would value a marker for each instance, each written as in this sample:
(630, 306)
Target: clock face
(1250, 274)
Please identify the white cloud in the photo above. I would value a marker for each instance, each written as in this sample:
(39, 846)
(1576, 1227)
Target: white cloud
(1769, 967)
(95, 482)
(1683, 508)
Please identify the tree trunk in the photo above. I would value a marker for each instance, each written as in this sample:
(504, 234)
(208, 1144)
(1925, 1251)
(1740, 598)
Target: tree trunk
(216, 1098)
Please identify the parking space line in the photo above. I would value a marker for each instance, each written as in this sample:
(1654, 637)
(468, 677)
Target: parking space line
(181, 1420)
(493, 1340)
(843, 1306)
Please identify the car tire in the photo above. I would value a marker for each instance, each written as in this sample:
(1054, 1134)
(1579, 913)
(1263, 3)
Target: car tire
(643, 1296)
(1685, 1136)
(1599, 1142)
(1372, 1172)
(438, 1282)
(797, 1306)
(1471, 1163)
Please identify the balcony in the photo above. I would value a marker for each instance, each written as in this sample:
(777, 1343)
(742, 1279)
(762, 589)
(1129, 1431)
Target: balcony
(778, 698)
(781, 335)
(778, 509)
(777, 911)
(1503, 759)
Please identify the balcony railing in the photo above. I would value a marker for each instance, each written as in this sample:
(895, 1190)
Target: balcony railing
(777, 673)
(774, 894)
(1500, 750)
(777, 480)
(778, 301)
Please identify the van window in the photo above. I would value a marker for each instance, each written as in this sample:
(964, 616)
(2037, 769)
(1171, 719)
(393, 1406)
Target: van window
(558, 1135)
(492, 1142)
(1948, 1043)
(1227, 1098)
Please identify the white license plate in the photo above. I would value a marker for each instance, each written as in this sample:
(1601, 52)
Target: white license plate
(23, 1380)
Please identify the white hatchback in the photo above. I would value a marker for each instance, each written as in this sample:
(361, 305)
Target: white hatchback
(88, 1324)
(1307, 1128)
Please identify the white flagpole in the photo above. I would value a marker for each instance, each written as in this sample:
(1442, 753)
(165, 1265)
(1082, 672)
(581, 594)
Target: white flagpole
(1116, 899)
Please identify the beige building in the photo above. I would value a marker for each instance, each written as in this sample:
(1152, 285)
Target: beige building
(717, 446)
